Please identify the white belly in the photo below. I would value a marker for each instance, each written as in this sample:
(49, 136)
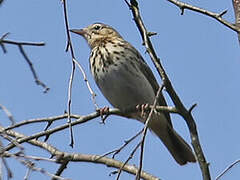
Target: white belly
(123, 88)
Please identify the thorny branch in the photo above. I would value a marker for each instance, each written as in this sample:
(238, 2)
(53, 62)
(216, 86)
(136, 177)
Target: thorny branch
(20, 45)
(133, 5)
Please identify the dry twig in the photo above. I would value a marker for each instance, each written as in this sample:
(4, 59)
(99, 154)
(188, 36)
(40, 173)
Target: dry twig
(20, 46)
(145, 132)
(75, 157)
(8, 113)
(186, 114)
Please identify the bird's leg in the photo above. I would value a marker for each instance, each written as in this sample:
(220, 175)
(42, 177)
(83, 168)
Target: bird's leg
(103, 111)
(142, 108)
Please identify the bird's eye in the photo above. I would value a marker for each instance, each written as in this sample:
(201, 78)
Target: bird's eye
(97, 27)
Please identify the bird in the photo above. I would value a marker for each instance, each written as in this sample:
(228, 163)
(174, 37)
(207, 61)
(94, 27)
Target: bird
(126, 81)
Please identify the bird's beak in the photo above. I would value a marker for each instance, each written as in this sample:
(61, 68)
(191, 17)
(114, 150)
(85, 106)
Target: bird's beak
(81, 32)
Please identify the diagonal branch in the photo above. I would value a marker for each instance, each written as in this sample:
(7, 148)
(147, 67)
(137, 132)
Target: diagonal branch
(185, 113)
(217, 16)
(145, 131)
(8, 113)
(77, 157)
(38, 82)
(20, 46)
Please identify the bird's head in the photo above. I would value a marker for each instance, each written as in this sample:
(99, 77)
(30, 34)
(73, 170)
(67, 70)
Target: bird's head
(97, 34)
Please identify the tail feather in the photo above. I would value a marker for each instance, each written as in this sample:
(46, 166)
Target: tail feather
(176, 145)
(179, 149)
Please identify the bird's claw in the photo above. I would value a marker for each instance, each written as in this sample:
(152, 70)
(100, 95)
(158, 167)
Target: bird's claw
(142, 108)
(103, 111)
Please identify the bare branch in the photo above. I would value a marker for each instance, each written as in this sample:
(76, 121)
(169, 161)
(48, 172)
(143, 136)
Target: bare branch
(19, 43)
(8, 113)
(81, 119)
(170, 90)
(118, 150)
(217, 16)
(61, 169)
(145, 131)
(2, 44)
(87, 83)
(69, 45)
(39, 120)
(38, 82)
(227, 169)
(20, 46)
(128, 159)
(76, 157)
(32, 167)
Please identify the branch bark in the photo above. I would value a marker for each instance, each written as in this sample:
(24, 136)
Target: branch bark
(63, 157)
(184, 112)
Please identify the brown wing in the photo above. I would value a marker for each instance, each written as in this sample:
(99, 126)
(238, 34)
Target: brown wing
(150, 77)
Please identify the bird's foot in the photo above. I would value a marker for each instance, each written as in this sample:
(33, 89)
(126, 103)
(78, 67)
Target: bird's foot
(103, 111)
(142, 108)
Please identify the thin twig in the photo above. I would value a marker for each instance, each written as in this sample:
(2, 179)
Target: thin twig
(33, 167)
(118, 150)
(61, 169)
(227, 169)
(145, 132)
(9, 172)
(21, 43)
(128, 159)
(69, 44)
(20, 46)
(2, 44)
(217, 16)
(8, 113)
(40, 120)
(13, 141)
(38, 82)
(27, 174)
(35, 158)
(4, 162)
(87, 83)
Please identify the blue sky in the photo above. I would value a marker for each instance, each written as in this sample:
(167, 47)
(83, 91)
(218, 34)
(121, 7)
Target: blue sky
(200, 56)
